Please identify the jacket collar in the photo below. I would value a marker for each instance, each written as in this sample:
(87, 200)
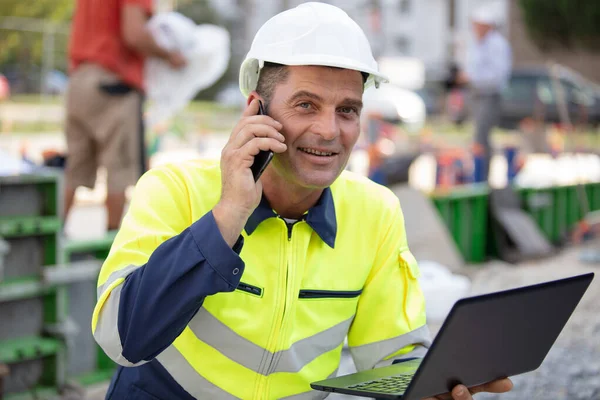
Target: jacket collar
(320, 217)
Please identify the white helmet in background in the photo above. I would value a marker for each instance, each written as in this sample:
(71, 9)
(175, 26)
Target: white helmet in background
(310, 34)
(488, 14)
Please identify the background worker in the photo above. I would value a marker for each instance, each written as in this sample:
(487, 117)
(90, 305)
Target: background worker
(488, 68)
(108, 45)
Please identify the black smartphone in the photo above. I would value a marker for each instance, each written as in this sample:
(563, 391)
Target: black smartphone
(263, 158)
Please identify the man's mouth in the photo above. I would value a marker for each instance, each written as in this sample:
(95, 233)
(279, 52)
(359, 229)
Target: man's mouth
(316, 152)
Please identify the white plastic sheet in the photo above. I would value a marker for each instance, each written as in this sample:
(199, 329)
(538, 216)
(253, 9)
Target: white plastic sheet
(207, 51)
(543, 170)
(441, 289)
(13, 165)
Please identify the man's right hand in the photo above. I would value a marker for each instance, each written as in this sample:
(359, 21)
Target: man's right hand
(240, 195)
(176, 60)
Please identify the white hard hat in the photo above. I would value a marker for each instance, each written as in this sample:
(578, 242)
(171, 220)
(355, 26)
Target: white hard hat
(310, 34)
(487, 14)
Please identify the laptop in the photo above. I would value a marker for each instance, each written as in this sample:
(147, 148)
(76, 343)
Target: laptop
(483, 338)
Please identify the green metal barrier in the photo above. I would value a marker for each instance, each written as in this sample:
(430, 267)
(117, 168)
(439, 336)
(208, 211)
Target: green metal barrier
(34, 195)
(97, 249)
(30, 225)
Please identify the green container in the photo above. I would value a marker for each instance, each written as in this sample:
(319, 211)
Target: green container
(560, 228)
(593, 195)
(557, 209)
(464, 210)
(540, 204)
(575, 209)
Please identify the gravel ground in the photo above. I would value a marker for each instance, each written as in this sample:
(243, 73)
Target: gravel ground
(571, 371)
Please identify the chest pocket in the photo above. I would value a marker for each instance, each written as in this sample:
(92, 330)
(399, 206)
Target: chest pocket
(325, 308)
(329, 294)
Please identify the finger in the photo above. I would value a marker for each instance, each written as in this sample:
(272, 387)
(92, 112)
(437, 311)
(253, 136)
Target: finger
(257, 144)
(252, 131)
(497, 386)
(252, 109)
(439, 397)
(460, 392)
(263, 119)
(256, 120)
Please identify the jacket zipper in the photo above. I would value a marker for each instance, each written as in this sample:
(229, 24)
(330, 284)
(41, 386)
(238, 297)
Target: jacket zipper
(286, 305)
(244, 287)
(328, 294)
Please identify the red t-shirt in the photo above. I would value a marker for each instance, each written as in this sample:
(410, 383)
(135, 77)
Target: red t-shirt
(96, 38)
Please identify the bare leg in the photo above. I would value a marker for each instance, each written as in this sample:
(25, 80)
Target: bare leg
(115, 204)
(69, 198)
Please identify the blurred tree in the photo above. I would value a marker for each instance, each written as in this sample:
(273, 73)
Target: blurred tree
(199, 11)
(55, 10)
(23, 41)
(566, 23)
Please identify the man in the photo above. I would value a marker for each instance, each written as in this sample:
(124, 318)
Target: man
(220, 287)
(487, 72)
(109, 42)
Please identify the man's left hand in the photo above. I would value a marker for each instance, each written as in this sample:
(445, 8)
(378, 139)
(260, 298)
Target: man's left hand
(462, 78)
(461, 392)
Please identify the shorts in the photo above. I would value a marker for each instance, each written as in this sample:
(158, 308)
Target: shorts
(104, 127)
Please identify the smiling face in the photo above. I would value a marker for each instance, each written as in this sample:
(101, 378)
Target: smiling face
(319, 108)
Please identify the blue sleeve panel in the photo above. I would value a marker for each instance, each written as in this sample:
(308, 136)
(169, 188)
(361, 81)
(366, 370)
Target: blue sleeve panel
(159, 299)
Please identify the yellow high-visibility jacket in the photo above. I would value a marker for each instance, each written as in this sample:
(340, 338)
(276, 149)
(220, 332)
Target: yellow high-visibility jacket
(188, 317)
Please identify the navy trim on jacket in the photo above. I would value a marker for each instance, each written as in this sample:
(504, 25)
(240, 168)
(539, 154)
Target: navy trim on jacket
(159, 299)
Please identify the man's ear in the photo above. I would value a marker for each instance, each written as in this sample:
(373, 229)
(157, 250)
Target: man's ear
(254, 95)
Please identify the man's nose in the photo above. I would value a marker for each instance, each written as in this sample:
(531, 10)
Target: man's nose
(327, 125)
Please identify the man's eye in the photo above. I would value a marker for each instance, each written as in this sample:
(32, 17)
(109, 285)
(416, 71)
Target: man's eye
(348, 110)
(304, 105)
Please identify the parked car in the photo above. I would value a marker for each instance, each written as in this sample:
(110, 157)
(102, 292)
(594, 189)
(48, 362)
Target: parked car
(594, 109)
(396, 105)
(432, 96)
(532, 93)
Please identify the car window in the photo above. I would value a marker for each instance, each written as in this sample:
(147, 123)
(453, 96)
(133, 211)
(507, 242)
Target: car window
(570, 91)
(545, 91)
(520, 88)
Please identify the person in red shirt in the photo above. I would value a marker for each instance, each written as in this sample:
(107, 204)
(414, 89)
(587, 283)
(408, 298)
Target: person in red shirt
(108, 45)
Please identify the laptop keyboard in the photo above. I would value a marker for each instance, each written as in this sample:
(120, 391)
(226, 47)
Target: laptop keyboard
(392, 384)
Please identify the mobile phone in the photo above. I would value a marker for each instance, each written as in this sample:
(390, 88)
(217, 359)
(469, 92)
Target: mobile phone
(263, 158)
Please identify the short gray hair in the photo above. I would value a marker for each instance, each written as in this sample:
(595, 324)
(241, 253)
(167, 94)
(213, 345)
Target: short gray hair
(270, 76)
(273, 74)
